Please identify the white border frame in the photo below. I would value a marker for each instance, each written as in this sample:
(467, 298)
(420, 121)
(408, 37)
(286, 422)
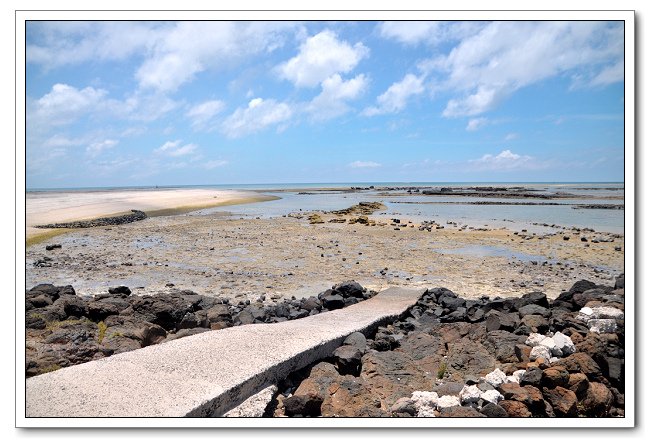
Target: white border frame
(629, 133)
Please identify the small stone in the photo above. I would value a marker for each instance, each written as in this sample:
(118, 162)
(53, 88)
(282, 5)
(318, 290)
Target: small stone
(495, 378)
(540, 351)
(469, 394)
(602, 325)
(564, 343)
(447, 401)
(493, 410)
(492, 396)
(535, 339)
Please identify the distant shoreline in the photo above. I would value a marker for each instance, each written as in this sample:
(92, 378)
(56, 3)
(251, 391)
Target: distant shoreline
(293, 186)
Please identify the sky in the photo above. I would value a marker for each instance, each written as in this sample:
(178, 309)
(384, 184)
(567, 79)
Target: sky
(206, 103)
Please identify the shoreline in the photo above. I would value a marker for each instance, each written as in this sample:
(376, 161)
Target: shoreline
(55, 207)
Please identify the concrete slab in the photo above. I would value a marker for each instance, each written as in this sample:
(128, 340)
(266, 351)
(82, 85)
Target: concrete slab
(207, 374)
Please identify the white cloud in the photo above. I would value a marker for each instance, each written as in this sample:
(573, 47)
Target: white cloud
(430, 32)
(504, 57)
(258, 115)
(504, 161)
(320, 57)
(55, 44)
(174, 149)
(332, 101)
(410, 32)
(511, 136)
(202, 113)
(174, 52)
(179, 55)
(59, 141)
(62, 105)
(360, 164)
(95, 149)
(211, 164)
(395, 98)
(475, 124)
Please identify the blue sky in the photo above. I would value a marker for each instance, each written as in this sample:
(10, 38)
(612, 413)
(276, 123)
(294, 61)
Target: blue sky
(198, 103)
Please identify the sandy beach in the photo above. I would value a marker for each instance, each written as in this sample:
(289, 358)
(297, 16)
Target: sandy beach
(58, 207)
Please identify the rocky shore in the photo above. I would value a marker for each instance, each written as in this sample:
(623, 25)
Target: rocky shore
(447, 356)
(64, 329)
(451, 357)
(135, 215)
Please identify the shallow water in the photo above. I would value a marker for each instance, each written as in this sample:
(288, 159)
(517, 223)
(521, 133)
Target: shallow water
(459, 209)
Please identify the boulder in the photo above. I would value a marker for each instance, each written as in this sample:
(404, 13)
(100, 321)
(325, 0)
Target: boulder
(555, 376)
(563, 401)
(493, 410)
(333, 302)
(535, 323)
(532, 298)
(532, 377)
(305, 405)
(357, 340)
(352, 397)
(532, 309)
(403, 407)
(580, 363)
(466, 357)
(448, 401)
(578, 383)
(348, 360)
(502, 345)
(564, 344)
(515, 409)
(120, 290)
(496, 320)
(598, 400)
(349, 289)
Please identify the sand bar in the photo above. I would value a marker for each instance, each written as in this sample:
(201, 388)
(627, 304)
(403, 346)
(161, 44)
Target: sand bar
(56, 207)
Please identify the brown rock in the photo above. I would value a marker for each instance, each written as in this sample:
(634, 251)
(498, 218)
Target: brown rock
(580, 362)
(514, 392)
(555, 376)
(597, 401)
(578, 383)
(394, 374)
(466, 357)
(460, 412)
(564, 401)
(515, 408)
(351, 397)
(320, 378)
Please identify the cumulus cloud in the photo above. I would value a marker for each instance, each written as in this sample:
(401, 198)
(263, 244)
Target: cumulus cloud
(320, 57)
(178, 56)
(504, 161)
(258, 115)
(475, 124)
(395, 98)
(201, 114)
(96, 148)
(503, 57)
(360, 164)
(63, 104)
(332, 101)
(175, 149)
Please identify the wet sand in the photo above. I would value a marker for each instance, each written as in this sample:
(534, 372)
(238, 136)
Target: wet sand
(244, 258)
(58, 207)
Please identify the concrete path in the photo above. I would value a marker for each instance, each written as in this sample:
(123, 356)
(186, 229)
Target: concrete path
(206, 374)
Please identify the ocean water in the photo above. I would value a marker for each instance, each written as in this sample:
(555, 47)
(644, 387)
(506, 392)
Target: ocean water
(442, 209)
(445, 209)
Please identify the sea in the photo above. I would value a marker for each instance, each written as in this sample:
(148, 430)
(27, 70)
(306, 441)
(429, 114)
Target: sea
(509, 213)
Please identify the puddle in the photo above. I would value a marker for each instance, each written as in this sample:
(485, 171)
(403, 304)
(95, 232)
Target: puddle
(476, 250)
